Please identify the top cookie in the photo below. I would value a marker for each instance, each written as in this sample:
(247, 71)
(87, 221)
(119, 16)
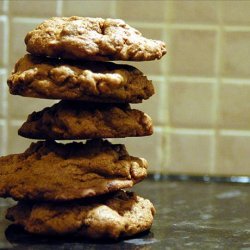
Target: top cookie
(92, 39)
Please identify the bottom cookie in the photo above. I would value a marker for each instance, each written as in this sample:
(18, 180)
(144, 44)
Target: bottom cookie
(111, 216)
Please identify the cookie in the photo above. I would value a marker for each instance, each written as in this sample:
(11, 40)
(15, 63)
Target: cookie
(55, 172)
(114, 216)
(85, 81)
(92, 39)
(79, 120)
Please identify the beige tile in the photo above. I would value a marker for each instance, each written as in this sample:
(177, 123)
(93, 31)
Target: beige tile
(194, 12)
(156, 33)
(16, 143)
(236, 12)
(33, 8)
(234, 106)
(1, 7)
(233, 154)
(20, 107)
(4, 6)
(236, 60)
(3, 101)
(3, 41)
(192, 52)
(150, 67)
(156, 67)
(155, 107)
(191, 104)
(88, 8)
(149, 147)
(19, 28)
(145, 11)
(190, 153)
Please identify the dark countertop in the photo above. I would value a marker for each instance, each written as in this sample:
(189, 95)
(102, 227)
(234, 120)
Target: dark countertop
(190, 215)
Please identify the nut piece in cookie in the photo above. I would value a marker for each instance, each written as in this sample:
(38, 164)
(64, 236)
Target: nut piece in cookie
(92, 39)
(114, 216)
(86, 81)
(79, 120)
(52, 171)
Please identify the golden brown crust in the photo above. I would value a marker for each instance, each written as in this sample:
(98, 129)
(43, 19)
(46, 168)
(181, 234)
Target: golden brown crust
(56, 172)
(92, 39)
(86, 81)
(78, 120)
(117, 215)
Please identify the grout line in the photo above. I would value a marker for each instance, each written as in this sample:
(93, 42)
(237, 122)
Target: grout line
(201, 27)
(235, 81)
(192, 79)
(165, 68)
(59, 7)
(216, 90)
(152, 25)
(183, 26)
(157, 127)
(200, 79)
(15, 122)
(159, 78)
(192, 131)
(226, 132)
(234, 28)
(178, 26)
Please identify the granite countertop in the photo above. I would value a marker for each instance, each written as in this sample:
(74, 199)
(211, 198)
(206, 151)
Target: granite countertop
(190, 215)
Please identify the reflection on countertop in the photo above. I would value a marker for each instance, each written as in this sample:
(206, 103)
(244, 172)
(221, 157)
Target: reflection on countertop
(190, 215)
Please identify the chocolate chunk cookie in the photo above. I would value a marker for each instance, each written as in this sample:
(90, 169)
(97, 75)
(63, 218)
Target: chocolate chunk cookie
(52, 171)
(92, 39)
(86, 81)
(79, 120)
(114, 216)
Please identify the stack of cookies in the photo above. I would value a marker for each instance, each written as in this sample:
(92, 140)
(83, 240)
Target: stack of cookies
(77, 188)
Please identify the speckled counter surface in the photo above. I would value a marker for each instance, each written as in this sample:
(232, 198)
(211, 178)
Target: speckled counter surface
(190, 215)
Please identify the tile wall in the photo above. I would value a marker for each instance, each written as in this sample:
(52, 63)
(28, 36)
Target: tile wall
(201, 110)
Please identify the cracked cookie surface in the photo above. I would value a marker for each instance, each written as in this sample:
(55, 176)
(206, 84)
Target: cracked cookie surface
(114, 216)
(92, 39)
(86, 81)
(80, 120)
(52, 171)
